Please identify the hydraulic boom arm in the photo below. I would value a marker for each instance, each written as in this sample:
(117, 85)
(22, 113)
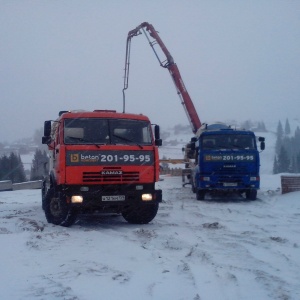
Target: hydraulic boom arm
(169, 63)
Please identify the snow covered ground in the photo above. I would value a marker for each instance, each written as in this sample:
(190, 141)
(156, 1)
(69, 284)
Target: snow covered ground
(216, 249)
(221, 248)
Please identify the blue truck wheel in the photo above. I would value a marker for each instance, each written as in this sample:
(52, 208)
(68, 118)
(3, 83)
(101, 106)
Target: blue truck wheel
(200, 194)
(251, 194)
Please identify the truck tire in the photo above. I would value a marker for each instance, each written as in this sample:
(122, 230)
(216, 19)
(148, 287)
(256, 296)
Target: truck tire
(57, 210)
(251, 194)
(200, 195)
(140, 214)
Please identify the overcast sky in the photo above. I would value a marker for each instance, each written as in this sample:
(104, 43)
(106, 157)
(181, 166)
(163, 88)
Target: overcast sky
(239, 60)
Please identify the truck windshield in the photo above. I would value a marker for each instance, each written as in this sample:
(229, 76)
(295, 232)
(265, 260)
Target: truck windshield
(107, 131)
(222, 141)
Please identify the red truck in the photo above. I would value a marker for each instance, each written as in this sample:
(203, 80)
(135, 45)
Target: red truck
(101, 161)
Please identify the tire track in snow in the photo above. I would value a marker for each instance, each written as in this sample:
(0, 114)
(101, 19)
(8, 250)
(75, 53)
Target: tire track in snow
(226, 242)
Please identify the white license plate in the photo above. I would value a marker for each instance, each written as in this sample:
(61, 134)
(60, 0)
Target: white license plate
(113, 198)
(229, 184)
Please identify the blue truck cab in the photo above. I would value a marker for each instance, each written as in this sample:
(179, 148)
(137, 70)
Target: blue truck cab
(226, 160)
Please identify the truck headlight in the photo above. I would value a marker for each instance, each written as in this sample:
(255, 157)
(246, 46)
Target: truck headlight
(146, 197)
(77, 199)
(205, 178)
(254, 178)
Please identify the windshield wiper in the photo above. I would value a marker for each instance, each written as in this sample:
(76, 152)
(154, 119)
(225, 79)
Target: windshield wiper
(222, 147)
(84, 141)
(127, 140)
(241, 147)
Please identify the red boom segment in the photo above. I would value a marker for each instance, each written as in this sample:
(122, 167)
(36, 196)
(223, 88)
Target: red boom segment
(185, 98)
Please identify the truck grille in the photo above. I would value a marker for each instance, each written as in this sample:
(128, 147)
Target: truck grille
(105, 178)
(241, 170)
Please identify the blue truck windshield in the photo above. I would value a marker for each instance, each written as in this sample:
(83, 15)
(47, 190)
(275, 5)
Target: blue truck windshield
(228, 142)
(106, 131)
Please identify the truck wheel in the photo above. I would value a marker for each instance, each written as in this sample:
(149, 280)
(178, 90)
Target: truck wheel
(57, 210)
(140, 214)
(251, 194)
(200, 195)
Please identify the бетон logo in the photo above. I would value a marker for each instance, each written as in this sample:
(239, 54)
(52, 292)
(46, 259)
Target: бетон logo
(89, 158)
(74, 157)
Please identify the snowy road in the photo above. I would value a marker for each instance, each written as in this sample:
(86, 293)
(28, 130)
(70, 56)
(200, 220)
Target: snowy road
(214, 249)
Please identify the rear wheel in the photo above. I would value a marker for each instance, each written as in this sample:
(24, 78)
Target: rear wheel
(57, 210)
(140, 214)
(200, 194)
(251, 194)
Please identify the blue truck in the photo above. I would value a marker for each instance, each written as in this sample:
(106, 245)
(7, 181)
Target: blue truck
(225, 160)
(218, 159)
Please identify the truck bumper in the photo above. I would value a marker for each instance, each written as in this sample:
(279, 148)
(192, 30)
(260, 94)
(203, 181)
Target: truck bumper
(113, 199)
(228, 183)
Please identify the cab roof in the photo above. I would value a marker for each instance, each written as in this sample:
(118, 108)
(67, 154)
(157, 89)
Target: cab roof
(100, 114)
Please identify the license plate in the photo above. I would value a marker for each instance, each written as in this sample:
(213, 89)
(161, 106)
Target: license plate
(113, 198)
(229, 184)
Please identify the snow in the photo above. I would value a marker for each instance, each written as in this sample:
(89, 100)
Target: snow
(220, 248)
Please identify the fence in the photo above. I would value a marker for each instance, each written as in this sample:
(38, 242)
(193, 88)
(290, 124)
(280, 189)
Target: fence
(290, 184)
(7, 185)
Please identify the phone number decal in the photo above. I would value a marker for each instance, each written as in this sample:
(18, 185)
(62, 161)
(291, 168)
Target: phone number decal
(80, 158)
(230, 157)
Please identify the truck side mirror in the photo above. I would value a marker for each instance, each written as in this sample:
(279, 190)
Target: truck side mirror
(156, 132)
(47, 128)
(262, 143)
(193, 143)
(46, 139)
(158, 141)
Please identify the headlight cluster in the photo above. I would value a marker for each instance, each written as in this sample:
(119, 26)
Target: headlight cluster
(76, 199)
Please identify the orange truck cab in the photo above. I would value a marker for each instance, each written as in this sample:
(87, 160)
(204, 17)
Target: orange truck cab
(101, 161)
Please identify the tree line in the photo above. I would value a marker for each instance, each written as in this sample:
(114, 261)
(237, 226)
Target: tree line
(12, 168)
(287, 149)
